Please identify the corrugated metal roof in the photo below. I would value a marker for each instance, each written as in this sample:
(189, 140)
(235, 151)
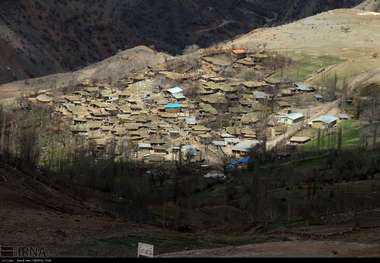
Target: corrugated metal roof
(219, 143)
(144, 145)
(179, 96)
(175, 90)
(232, 140)
(295, 116)
(303, 87)
(245, 146)
(261, 95)
(326, 119)
(191, 120)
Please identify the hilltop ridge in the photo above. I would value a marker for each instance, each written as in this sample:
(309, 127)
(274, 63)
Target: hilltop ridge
(46, 37)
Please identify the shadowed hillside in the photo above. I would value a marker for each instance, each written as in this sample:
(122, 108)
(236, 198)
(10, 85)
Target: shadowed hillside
(49, 36)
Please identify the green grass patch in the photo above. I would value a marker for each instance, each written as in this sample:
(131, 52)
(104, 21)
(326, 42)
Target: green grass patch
(329, 139)
(304, 66)
(351, 133)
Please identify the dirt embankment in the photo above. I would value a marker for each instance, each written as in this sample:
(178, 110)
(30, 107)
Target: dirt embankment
(288, 249)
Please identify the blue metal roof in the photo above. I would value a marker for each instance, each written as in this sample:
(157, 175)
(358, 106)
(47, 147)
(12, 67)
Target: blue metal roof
(327, 119)
(173, 106)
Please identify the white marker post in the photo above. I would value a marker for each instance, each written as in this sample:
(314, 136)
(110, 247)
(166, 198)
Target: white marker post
(145, 250)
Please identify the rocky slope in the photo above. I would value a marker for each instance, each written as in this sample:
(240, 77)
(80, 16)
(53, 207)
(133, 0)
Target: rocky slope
(40, 37)
(370, 5)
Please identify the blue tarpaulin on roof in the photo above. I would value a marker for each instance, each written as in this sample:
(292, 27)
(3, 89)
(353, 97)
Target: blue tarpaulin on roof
(241, 161)
(173, 106)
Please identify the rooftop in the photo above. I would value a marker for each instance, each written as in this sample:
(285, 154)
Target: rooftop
(144, 146)
(295, 115)
(173, 106)
(245, 145)
(241, 161)
(261, 95)
(175, 90)
(303, 86)
(326, 119)
(191, 120)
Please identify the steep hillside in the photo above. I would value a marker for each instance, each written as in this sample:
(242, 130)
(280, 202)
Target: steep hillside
(40, 37)
(370, 5)
(120, 66)
(347, 37)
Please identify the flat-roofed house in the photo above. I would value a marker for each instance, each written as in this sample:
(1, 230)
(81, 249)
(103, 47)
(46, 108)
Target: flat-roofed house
(219, 143)
(261, 95)
(207, 109)
(216, 98)
(344, 116)
(300, 139)
(144, 148)
(176, 93)
(303, 87)
(284, 104)
(77, 100)
(239, 53)
(174, 134)
(132, 126)
(249, 118)
(162, 148)
(190, 121)
(45, 99)
(173, 107)
(200, 129)
(155, 158)
(323, 122)
(232, 140)
(79, 129)
(244, 147)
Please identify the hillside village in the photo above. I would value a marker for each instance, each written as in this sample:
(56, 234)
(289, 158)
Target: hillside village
(201, 112)
(200, 140)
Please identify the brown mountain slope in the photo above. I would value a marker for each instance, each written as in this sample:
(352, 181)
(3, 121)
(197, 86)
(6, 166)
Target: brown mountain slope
(120, 66)
(40, 37)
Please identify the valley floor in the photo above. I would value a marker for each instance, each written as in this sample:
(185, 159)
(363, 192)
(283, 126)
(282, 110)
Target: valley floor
(26, 221)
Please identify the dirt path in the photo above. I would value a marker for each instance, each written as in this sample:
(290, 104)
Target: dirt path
(328, 108)
(288, 249)
(212, 28)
